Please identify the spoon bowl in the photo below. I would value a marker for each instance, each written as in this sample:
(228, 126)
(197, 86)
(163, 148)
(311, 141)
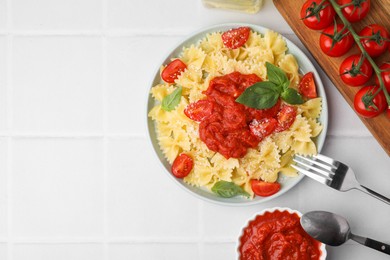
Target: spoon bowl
(334, 230)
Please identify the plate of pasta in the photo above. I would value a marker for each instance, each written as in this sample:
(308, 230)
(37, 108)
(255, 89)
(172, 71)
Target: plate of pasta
(229, 107)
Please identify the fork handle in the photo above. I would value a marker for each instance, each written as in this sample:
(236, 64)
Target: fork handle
(374, 194)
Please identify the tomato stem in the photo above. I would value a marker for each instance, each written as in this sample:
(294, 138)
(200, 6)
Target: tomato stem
(357, 38)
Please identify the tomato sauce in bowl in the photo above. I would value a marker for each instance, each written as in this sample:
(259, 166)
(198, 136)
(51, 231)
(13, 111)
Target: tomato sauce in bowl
(277, 234)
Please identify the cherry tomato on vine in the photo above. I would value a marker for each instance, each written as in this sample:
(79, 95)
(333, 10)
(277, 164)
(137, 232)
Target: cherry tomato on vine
(355, 10)
(350, 72)
(366, 108)
(336, 40)
(316, 16)
(264, 189)
(375, 39)
(173, 70)
(385, 74)
(235, 38)
(307, 86)
(182, 165)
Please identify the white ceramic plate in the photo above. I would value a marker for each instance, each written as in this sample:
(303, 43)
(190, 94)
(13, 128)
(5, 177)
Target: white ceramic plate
(305, 66)
(291, 211)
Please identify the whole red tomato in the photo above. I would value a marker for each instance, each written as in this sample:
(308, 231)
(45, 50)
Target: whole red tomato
(375, 39)
(317, 16)
(385, 74)
(350, 72)
(336, 40)
(365, 107)
(355, 10)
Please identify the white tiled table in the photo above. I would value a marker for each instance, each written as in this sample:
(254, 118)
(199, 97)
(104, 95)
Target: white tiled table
(77, 177)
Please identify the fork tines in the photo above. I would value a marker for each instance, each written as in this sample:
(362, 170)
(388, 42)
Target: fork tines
(318, 167)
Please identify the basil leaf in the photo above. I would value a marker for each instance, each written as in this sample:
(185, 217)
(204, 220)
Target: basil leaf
(172, 100)
(227, 189)
(260, 95)
(276, 75)
(292, 96)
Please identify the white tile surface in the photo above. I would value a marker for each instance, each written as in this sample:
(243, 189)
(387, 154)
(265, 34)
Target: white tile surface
(3, 83)
(3, 251)
(57, 84)
(219, 251)
(56, 14)
(153, 251)
(131, 15)
(3, 14)
(129, 78)
(58, 252)
(3, 187)
(136, 183)
(57, 188)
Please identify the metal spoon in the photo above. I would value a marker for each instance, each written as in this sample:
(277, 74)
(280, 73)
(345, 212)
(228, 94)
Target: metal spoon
(334, 230)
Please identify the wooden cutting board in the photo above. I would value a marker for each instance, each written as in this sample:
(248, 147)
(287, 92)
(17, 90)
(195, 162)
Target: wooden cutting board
(379, 13)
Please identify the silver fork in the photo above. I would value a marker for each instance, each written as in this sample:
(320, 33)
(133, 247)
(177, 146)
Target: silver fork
(333, 173)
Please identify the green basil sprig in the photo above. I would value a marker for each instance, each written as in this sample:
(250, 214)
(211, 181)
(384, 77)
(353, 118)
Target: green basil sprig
(227, 189)
(172, 100)
(265, 94)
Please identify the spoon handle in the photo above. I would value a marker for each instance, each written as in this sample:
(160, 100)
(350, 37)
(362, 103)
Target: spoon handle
(374, 194)
(382, 247)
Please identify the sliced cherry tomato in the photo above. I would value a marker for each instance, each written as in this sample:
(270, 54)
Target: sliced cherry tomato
(259, 114)
(182, 165)
(286, 118)
(376, 107)
(352, 75)
(336, 40)
(317, 16)
(264, 189)
(235, 38)
(199, 110)
(307, 86)
(173, 70)
(388, 113)
(385, 74)
(376, 39)
(264, 127)
(355, 10)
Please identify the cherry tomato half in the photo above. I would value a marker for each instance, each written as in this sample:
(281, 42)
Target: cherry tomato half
(388, 113)
(199, 110)
(315, 16)
(182, 165)
(355, 10)
(350, 73)
(264, 189)
(307, 86)
(173, 70)
(376, 39)
(385, 74)
(378, 105)
(264, 127)
(335, 41)
(286, 118)
(235, 38)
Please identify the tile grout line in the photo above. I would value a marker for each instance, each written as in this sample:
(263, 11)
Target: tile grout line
(200, 230)
(104, 24)
(9, 107)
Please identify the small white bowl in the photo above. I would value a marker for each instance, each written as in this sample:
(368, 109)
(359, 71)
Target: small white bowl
(291, 211)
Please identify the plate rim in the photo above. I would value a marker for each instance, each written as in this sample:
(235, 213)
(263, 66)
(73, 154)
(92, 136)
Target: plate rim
(203, 32)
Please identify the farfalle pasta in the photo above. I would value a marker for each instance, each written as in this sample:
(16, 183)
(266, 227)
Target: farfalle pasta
(207, 60)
